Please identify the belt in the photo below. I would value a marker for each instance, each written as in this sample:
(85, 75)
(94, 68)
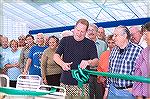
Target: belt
(124, 87)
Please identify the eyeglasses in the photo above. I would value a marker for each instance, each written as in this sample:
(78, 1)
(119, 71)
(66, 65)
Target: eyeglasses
(146, 32)
(90, 30)
(41, 38)
(21, 39)
(110, 42)
(115, 35)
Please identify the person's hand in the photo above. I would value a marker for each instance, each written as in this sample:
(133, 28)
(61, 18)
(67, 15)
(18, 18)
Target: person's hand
(4, 72)
(24, 72)
(66, 66)
(101, 79)
(45, 81)
(16, 65)
(105, 94)
(84, 64)
(130, 90)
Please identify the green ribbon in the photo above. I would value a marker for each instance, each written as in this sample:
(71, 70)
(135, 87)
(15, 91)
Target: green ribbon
(120, 76)
(82, 76)
(18, 92)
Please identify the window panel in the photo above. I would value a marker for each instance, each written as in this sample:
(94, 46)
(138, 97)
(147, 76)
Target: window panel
(68, 7)
(52, 10)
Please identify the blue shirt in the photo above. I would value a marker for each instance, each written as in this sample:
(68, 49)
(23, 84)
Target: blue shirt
(123, 62)
(3, 53)
(35, 54)
(13, 58)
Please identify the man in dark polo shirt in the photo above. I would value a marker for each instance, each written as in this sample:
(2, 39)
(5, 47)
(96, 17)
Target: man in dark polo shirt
(75, 50)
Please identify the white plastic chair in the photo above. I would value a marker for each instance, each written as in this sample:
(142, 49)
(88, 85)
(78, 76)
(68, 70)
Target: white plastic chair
(34, 82)
(28, 82)
(4, 78)
(4, 82)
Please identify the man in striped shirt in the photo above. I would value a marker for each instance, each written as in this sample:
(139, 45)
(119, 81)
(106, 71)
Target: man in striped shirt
(122, 61)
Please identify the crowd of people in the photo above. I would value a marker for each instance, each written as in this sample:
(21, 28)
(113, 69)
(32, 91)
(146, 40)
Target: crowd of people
(126, 51)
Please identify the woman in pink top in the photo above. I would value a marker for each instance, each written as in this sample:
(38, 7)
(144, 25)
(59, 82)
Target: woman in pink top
(142, 90)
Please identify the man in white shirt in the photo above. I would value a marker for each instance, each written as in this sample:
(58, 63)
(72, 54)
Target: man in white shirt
(137, 36)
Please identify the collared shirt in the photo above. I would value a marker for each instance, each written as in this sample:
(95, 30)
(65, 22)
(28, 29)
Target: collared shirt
(123, 63)
(143, 42)
(141, 69)
(101, 47)
(24, 56)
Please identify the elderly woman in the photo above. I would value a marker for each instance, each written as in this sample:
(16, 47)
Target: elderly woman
(21, 41)
(12, 63)
(142, 90)
(51, 72)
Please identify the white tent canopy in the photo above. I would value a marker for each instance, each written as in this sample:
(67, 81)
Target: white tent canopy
(22, 16)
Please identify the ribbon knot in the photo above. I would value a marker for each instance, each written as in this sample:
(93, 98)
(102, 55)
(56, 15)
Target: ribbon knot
(81, 76)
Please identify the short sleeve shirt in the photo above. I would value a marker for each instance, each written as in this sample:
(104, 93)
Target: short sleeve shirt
(75, 51)
(35, 54)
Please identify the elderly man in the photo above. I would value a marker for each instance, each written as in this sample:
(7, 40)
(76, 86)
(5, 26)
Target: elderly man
(73, 51)
(122, 61)
(34, 57)
(4, 50)
(1, 40)
(96, 89)
(142, 68)
(137, 36)
(66, 33)
(101, 34)
(46, 40)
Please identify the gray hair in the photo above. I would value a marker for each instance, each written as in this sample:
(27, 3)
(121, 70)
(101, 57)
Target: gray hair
(125, 31)
(95, 26)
